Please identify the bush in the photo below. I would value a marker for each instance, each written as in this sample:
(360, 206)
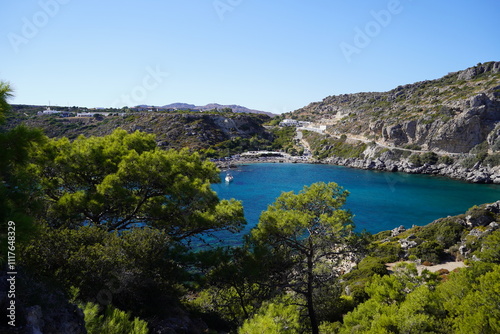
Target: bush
(412, 147)
(431, 251)
(492, 160)
(445, 231)
(490, 250)
(112, 321)
(386, 251)
(430, 158)
(415, 160)
(445, 159)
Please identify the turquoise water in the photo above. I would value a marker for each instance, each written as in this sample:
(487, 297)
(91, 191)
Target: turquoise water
(379, 200)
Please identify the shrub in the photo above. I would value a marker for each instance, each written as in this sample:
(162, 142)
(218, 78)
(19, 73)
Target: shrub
(412, 147)
(386, 251)
(431, 251)
(445, 231)
(492, 160)
(445, 159)
(429, 158)
(112, 321)
(415, 160)
(490, 250)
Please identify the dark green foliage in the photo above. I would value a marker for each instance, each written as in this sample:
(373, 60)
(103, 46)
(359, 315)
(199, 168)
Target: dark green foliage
(490, 248)
(324, 146)
(492, 160)
(430, 158)
(237, 145)
(359, 277)
(415, 147)
(135, 271)
(445, 159)
(283, 137)
(388, 251)
(431, 251)
(122, 179)
(446, 232)
(415, 160)
(18, 188)
(418, 159)
(311, 232)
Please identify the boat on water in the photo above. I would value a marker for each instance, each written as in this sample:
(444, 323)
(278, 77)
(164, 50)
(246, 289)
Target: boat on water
(228, 178)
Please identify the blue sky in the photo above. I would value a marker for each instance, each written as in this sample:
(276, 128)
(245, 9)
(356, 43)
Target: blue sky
(272, 55)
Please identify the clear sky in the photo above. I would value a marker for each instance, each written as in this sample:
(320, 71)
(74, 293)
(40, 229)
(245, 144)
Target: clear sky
(271, 55)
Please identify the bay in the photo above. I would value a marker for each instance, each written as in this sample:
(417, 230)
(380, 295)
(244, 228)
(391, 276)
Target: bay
(379, 200)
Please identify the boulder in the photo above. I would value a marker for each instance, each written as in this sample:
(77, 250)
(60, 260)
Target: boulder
(397, 231)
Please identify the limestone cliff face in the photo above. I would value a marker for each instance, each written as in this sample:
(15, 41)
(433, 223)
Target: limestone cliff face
(474, 122)
(449, 115)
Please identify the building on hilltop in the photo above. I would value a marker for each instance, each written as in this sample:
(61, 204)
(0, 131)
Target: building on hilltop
(49, 111)
(293, 122)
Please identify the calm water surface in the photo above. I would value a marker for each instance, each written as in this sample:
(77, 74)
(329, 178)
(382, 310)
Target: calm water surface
(379, 200)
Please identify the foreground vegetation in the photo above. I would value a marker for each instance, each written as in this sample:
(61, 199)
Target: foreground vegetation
(106, 225)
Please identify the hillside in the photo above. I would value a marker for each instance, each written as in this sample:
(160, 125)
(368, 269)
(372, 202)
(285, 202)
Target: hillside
(452, 114)
(457, 116)
(172, 129)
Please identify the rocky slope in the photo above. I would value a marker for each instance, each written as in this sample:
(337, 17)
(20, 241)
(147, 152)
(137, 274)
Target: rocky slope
(457, 115)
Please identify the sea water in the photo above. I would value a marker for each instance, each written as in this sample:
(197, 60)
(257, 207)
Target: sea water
(379, 200)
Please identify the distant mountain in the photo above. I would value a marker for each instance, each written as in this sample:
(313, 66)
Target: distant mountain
(179, 106)
(210, 106)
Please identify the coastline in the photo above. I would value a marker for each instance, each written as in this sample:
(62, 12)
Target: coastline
(477, 174)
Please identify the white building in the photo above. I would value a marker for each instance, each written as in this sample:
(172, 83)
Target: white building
(293, 122)
(49, 111)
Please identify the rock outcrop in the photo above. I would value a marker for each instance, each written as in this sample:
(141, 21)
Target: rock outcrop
(477, 174)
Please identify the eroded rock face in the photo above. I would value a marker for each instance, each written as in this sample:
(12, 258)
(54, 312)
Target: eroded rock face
(477, 122)
(472, 72)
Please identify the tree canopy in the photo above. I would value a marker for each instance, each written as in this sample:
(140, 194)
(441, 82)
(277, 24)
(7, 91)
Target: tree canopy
(123, 180)
(311, 233)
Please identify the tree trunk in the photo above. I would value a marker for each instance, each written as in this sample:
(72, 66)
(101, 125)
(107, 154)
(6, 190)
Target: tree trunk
(309, 295)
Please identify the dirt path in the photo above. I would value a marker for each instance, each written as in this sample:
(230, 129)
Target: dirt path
(450, 266)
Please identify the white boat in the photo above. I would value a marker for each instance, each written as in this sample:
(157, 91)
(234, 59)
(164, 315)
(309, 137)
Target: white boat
(228, 178)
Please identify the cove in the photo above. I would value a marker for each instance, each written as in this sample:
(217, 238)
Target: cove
(379, 200)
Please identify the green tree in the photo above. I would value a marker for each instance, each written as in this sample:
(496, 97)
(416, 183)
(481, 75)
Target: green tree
(6, 93)
(311, 232)
(277, 317)
(490, 249)
(122, 180)
(18, 189)
(472, 299)
(136, 270)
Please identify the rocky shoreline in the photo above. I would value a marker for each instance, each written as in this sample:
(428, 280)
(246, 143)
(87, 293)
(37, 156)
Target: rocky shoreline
(476, 174)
